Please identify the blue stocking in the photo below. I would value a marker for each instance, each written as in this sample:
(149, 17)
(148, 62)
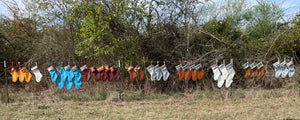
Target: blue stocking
(77, 80)
(53, 74)
(63, 78)
(70, 79)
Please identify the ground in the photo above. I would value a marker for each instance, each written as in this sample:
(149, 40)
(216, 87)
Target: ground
(244, 104)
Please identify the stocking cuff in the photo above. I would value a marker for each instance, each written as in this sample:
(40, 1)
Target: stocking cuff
(229, 66)
(164, 68)
(199, 67)
(260, 65)
(246, 65)
(178, 67)
(10, 69)
(92, 69)
(33, 68)
(129, 68)
(83, 68)
(67, 67)
(253, 65)
(290, 63)
(113, 68)
(283, 63)
(137, 68)
(192, 67)
(107, 68)
(100, 68)
(74, 68)
(213, 67)
(222, 66)
(149, 67)
(50, 68)
(24, 69)
(276, 64)
(186, 67)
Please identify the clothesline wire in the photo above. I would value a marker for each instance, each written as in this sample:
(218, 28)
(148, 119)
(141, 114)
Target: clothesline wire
(155, 62)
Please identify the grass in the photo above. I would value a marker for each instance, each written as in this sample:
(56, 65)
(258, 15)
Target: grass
(244, 104)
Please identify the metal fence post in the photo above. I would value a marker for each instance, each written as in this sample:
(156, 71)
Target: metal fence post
(6, 81)
(120, 90)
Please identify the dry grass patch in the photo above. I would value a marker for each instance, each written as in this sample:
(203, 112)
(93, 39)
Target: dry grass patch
(244, 104)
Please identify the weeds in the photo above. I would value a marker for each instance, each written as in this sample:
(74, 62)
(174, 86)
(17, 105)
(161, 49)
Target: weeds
(132, 96)
(43, 107)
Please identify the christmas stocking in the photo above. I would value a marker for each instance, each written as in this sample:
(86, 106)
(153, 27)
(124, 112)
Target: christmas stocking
(165, 73)
(278, 70)
(194, 73)
(14, 74)
(94, 70)
(200, 73)
(185, 70)
(116, 75)
(53, 73)
(254, 70)
(101, 72)
(26, 73)
(63, 78)
(86, 73)
(21, 75)
(261, 70)
(291, 68)
(158, 73)
(151, 72)
(97, 75)
(216, 71)
(180, 71)
(111, 73)
(188, 74)
(140, 73)
(70, 77)
(284, 68)
(77, 78)
(223, 76)
(132, 73)
(37, 73)
(231, 73)
(247, 69)
(106, 73)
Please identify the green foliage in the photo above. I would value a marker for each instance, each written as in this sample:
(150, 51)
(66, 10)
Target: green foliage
(100, 29)
(101, 32)
(263, 19)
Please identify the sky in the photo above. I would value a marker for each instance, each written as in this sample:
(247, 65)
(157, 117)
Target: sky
(291, 7)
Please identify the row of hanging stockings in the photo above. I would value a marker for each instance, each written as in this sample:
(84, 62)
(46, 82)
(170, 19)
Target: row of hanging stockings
(158, 72)
(284, 69)
(101, 73)
(223, 73)
(254, 70)
(19, 73)
(188, 72)
(66, 75)
(135, 73)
